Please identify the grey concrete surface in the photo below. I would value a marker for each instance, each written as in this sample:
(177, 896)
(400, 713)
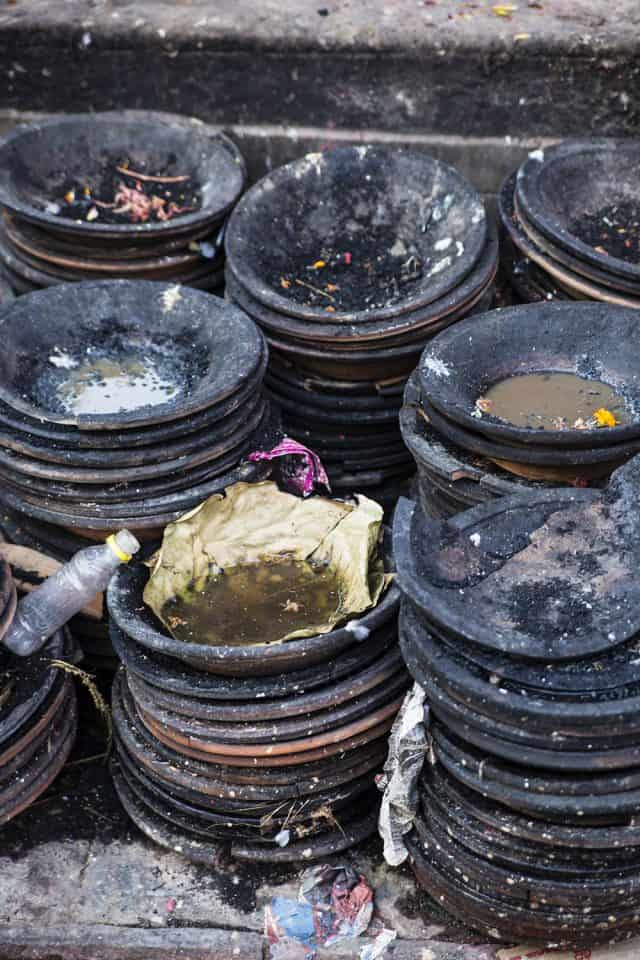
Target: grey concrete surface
(443, 67)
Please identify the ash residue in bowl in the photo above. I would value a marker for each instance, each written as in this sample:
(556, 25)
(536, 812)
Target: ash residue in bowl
(613, 229)
(373, 267)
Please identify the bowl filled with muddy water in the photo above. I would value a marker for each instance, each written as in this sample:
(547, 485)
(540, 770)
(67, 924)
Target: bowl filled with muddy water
(260, 582)
(548, 375)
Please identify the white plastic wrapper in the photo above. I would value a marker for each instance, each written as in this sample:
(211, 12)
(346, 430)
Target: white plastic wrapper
(407, 749)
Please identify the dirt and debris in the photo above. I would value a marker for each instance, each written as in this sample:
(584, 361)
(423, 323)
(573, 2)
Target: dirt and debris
(614, 230)
(334, 904)
(130, 195)
(377, 270)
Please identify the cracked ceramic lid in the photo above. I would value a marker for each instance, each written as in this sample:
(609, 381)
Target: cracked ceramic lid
(550, 575)
(356, 234)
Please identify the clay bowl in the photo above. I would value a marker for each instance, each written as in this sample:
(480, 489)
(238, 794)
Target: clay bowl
(536, 462)
(464, 478)
(362, 365)
(97, 468)
(43, 766)
(528, 282)
(30, 447)
(170, 769)
(573, 266)
(556, 798)
(257, 822)
(554, 861)
(324, 400)
(195, 847)
(507, 742)
(561, 188)
(489, 573)
(151, 267)
(562, 894)
(127, 609)
(417, 328)
(165, 673)
(38, 161)
(146, 517)
(544, 711)
(96, 250)
(80, 497)
(20, 432)
(179, 268)
(507, 919)
(288, 373)
(327, 202)
(365, 330)
(202, 347)
(37, 721)
(373, 677)
(586, 339)
(234, 734)
(583, 279)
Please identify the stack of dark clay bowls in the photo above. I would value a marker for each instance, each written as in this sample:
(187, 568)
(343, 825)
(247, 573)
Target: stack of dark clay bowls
(465, 454)
(570, 223)
(124, 405)
(520, 621)
(131, 195)
(350, 261)
(266, 752)
(38, 714)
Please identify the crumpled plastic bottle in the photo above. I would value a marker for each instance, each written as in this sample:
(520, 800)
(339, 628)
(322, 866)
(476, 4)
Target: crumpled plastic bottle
(64, 594)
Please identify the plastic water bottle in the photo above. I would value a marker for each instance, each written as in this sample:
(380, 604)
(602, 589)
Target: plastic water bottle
(61, 596)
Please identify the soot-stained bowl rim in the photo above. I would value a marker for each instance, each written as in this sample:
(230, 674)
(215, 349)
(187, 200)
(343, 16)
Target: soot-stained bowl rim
(198, 309)
(530, 197)
(184, 224)
(366, 331)
(476, 341)
(241, 264)
(572, 279)
(435, 456)
(126, 607)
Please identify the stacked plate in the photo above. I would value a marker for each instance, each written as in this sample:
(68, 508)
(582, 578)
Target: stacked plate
(38, 715)
(350, 261)
(595, 343)
(527, 823)
(449, 478)
(570, 222)
(267, 751)
(126, 404)
(131, 195)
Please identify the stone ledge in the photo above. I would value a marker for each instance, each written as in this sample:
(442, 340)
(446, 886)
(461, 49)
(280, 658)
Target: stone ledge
(444, 67)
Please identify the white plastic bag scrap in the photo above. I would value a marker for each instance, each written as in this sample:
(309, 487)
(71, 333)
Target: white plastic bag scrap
(378, 949)
(620, 951)
(407, 749)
